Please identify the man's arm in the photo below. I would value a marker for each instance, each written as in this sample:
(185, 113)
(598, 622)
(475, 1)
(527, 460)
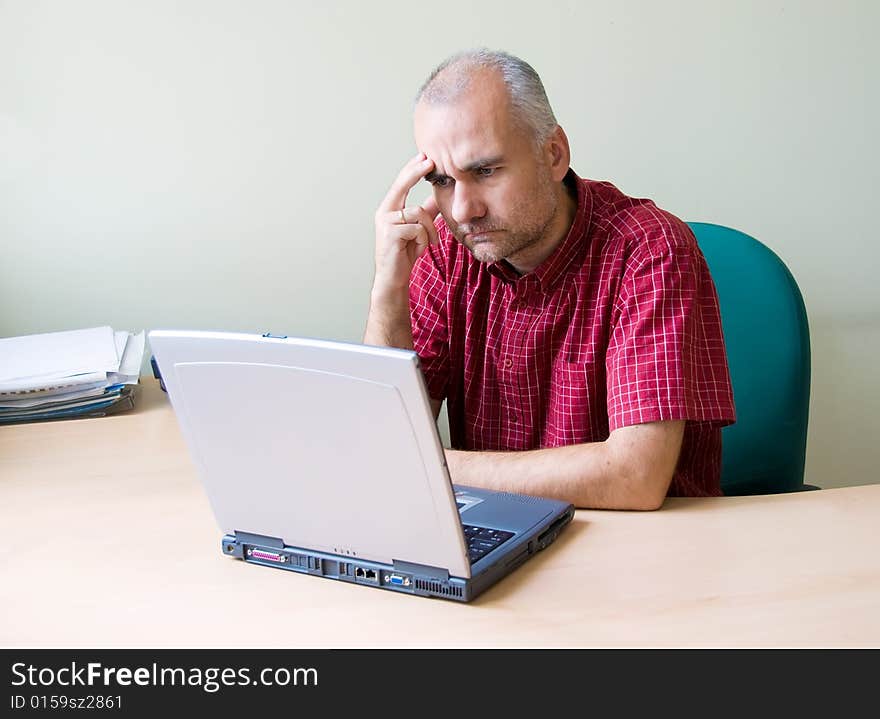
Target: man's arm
(632, 469)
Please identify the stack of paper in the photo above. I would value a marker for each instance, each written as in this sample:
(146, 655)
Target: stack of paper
(90, 372)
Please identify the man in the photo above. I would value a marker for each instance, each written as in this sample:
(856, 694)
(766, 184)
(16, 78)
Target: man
(573, 331)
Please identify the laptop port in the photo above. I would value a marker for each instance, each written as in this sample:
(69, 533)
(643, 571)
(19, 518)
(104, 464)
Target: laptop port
(367, 575)
(267, 556)
(549, 534)
(397, 580)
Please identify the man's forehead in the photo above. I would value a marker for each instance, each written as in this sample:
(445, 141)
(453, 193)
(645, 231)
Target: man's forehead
(464, 119)
(458, 140)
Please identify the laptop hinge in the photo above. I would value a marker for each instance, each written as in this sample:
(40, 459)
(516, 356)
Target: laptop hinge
(421, 570)
(248, 538)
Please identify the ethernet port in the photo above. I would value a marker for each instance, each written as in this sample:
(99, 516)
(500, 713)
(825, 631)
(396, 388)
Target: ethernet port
(366, 575)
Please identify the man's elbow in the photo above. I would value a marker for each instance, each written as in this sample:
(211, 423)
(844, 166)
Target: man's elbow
(641, 461)
(648, 502)
(624, 490)
(643, 489)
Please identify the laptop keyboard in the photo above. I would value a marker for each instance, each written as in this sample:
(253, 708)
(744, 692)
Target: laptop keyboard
(482, 540)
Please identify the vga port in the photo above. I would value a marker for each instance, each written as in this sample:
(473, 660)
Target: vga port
(397, 580)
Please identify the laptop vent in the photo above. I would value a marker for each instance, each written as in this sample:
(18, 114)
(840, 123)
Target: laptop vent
(521, 498)
(438, 588)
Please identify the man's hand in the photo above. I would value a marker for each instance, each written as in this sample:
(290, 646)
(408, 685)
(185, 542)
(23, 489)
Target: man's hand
(403, 233)
(402, 236)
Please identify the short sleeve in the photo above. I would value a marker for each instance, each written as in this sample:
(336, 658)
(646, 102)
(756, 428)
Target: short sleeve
(428, 316)
(666, 358)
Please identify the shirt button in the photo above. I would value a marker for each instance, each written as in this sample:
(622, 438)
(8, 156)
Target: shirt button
(513, 417)
(508, 363)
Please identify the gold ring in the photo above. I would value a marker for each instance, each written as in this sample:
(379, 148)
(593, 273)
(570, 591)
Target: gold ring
(402, 216)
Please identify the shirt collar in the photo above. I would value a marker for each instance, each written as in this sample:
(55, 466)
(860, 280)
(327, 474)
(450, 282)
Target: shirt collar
(554, 267)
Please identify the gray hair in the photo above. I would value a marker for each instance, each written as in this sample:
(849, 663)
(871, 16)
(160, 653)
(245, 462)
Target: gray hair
(528, 100)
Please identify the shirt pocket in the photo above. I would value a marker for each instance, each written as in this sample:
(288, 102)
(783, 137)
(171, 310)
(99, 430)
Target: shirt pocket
(576, 411)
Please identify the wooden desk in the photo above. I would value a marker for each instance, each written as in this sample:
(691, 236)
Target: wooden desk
(109, 542)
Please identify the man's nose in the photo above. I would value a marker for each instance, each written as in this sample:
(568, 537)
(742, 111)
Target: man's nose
(467, 205)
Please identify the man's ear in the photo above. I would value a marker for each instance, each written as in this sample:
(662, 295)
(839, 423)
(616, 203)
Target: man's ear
(559, 154)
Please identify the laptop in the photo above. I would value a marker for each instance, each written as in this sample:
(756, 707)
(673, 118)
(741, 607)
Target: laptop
(323, 458)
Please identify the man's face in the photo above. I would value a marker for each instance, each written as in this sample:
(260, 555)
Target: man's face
(492, 185)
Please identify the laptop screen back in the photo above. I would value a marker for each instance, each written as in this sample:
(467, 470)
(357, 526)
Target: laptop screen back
(327, 446)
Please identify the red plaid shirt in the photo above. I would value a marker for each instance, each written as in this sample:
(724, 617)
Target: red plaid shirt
(619, 326)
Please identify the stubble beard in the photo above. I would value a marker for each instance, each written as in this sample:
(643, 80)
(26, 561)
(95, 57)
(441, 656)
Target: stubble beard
(514, 236)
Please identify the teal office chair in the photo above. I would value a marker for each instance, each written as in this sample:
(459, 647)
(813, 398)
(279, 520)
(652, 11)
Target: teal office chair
(767, 337)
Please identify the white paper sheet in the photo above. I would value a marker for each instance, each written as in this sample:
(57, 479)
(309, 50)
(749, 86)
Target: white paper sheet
(57, 354)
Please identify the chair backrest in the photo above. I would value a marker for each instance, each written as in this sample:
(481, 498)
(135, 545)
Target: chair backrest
(767, 337)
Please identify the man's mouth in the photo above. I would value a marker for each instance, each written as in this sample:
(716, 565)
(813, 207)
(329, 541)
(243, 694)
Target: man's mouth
(481, 236)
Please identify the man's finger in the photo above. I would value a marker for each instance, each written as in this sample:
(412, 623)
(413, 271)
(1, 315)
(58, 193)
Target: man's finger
(418, 214)
(411, 239)
(412, 217)
(430, 206)
(409, 175)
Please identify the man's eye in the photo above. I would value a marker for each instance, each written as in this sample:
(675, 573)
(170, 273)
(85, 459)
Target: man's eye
(486, 171)
(441, 181)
